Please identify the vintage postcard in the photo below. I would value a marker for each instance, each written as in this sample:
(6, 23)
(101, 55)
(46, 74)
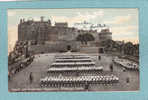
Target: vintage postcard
(89, 49)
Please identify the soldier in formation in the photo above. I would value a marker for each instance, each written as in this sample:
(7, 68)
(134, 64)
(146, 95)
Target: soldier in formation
(31, 77)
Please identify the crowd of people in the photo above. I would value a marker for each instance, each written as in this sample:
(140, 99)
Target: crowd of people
(130, 65)
(72, 64)
(19, 51)
(19, 58)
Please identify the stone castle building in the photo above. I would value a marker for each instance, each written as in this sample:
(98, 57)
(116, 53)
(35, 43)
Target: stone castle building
(105, 34)
(55, 37)
(44, 31)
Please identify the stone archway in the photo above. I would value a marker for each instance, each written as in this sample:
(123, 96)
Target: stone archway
(68, 47)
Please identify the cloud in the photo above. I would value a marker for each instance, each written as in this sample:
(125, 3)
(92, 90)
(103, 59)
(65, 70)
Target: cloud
(122, 19)
(128, 33)
(124, 29)
(119, 20)
(87, 16)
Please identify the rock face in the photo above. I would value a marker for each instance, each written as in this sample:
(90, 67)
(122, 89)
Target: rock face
(58, 46)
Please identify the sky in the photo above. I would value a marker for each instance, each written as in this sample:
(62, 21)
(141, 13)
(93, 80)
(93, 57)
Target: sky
(123, 23)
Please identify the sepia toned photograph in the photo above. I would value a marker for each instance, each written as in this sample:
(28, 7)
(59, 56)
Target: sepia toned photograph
(89, 49)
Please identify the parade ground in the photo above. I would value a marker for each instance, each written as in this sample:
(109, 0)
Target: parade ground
(21, 82)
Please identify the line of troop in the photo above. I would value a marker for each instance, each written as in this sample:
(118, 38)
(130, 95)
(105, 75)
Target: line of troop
(75, 65)
(126, 64)
(49, 81)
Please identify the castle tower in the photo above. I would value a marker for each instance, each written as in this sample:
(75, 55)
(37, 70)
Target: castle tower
(104, 35)
(42, 18)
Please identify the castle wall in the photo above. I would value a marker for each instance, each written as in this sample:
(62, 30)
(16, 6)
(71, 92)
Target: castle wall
(43, 31)
(68, 34)
(59, 46)
(31, 30)
(56, 38)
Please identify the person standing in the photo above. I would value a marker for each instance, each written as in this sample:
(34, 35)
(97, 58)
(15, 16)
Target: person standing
(127, 80)
(111, 67)
(9, 77)
(31, 77)
(99, 57)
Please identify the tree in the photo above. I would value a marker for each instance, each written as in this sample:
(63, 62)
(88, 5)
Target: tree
(108, 45)
(129, 48)
(84, 38)
(123, 48)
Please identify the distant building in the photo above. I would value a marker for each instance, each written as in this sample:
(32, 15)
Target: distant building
(104, 35)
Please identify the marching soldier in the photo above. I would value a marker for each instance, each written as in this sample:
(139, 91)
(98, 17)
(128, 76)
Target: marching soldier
(86, 86)
(99, 57)
(127, 80)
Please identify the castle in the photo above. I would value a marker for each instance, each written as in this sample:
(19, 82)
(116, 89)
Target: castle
(44, 31)
(55, 37)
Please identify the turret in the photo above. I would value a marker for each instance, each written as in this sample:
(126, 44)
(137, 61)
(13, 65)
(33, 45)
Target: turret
(42, 18)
